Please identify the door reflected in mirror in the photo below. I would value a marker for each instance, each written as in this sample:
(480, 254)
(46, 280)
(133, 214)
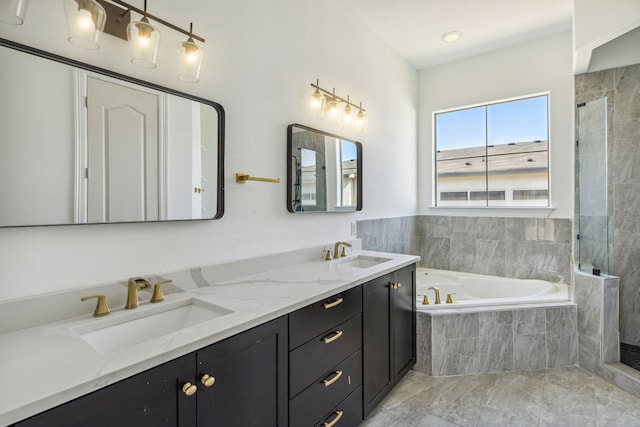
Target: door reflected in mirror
(324, 172)
(83, 145)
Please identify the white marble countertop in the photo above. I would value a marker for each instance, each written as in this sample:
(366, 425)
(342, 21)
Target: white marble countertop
(46, 365)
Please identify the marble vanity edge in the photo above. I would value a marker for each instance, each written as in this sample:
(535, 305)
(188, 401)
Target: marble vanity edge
(30, 405)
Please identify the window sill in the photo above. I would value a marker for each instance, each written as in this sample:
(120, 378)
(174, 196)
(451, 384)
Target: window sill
(495, 211)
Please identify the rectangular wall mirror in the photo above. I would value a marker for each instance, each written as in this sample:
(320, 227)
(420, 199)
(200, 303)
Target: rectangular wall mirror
(324, 172)
(83, 145)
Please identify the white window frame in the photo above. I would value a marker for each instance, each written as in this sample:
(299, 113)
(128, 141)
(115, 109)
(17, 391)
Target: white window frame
(434, 175)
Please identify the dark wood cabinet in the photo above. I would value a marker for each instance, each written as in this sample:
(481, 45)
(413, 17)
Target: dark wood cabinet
(148, 399)
(325, 362)
(249, 388)
(389, 334)
(251, 372)
(330, 362)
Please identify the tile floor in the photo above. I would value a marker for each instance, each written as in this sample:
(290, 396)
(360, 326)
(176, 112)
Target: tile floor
(547, 397)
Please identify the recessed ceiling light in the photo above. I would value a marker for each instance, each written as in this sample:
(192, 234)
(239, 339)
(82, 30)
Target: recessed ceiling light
(451, 36)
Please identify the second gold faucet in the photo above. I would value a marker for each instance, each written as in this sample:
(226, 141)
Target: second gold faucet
(336, 249)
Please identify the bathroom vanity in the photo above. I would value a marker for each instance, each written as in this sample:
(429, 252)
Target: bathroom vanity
(308, 343)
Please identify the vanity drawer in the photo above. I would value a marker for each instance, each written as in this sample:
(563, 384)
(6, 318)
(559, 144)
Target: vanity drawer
(309, 361)
(349, 411)
(310, 321)
(318, 398)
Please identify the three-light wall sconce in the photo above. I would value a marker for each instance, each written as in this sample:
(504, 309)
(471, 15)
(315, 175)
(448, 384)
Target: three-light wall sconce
(88, 19)
(330, 106)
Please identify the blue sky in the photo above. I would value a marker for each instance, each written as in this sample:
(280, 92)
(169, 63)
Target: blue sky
(514, 121)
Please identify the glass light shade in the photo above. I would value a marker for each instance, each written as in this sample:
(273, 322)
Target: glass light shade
(144, 40)
(189, 61)
(13, 11)
(346, 116)
(360, 121)
(331, 109)
(317, 102)
(85, 22)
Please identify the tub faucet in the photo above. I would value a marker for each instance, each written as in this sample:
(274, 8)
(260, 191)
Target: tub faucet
(135, 284)
(336, 248)
(437, 291)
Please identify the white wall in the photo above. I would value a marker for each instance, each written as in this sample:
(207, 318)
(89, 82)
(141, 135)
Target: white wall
(619, 52)
(534, 67)
(596, 22)
(261, 57)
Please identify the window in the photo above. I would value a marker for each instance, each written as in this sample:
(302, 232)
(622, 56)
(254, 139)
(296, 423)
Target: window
(496, 154)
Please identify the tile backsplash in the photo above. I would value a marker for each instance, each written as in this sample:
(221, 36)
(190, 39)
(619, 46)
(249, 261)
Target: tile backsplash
(525, 248)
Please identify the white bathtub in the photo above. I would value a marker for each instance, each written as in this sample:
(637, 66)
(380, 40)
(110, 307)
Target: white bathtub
(476, 290)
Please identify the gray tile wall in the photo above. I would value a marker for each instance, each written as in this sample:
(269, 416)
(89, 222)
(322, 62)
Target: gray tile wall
(514, 340)
(622, 87)
(597, 322)
(526, 248)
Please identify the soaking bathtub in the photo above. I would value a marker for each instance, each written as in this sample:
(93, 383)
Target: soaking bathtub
(476, 290)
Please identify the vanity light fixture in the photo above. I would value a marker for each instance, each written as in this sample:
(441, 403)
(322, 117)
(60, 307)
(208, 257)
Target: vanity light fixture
(144, 40)
(85, 22)
(328, 105)
(13, 12)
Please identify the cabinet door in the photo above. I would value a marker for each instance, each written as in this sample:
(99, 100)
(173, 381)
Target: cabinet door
(404, 321)
(250, 371)
(376, 318)
(151, 398)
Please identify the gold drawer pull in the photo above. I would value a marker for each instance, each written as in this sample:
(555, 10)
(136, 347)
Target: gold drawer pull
(333, 337)
(336, 377)
(332, 304)
(207, 380)
(335, 420)
(189, 389)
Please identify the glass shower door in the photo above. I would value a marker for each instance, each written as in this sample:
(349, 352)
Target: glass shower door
(593, 218)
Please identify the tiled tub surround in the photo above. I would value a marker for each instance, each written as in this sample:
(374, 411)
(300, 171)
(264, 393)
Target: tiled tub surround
(255, 291)
(523, 248)
(472, 341)
(621, 87)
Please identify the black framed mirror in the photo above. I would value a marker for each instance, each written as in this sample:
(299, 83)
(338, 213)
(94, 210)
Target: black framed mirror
(83, 145)
(324, 171)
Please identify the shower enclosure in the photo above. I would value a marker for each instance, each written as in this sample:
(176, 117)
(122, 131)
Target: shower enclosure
(593, 194)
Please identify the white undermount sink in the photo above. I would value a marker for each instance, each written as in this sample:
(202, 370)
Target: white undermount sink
(147, 322)
(362, 261)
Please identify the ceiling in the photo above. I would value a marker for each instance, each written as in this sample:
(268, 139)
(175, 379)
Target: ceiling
(413, 28)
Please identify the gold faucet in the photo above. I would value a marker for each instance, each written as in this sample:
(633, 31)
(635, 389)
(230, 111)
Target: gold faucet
(336, 253)
(135, 284)
(437, 291)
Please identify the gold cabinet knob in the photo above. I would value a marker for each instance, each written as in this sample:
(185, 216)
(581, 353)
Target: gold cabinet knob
(398, 285)
(189, 389)
(207, 380)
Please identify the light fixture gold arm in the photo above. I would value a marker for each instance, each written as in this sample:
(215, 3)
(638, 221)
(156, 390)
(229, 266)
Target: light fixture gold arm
(333, 95)
(155, 18)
